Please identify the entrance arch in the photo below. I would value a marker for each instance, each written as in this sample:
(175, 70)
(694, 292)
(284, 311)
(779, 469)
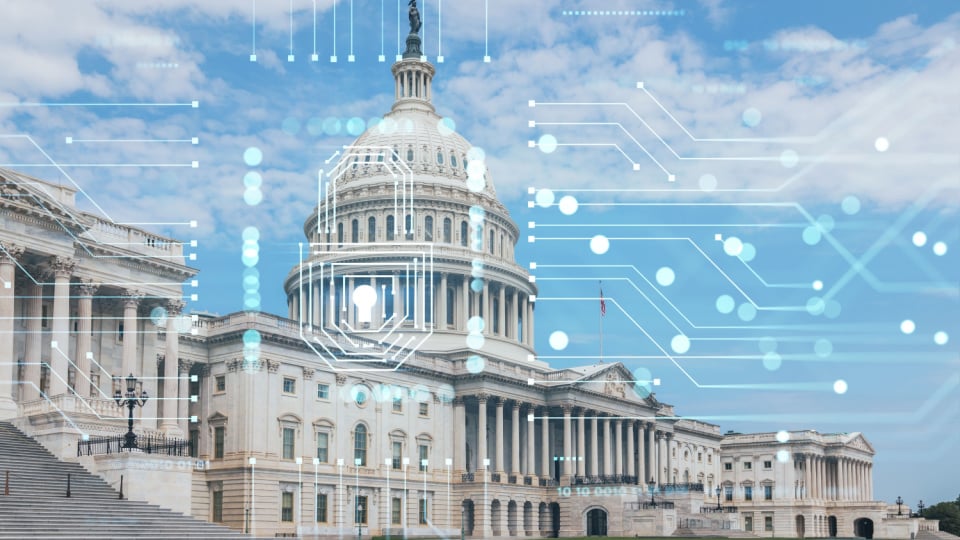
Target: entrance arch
(467, 518)
(832, 526)
(495, 517)
(597, 522)
(554, 520)
(528, 518)
(863, 527)
(801, 526)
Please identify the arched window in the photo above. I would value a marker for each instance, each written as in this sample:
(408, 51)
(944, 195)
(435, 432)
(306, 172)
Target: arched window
(395, 155)
(447, 230)
(428, 228)
(463, 233)
(410, 154)
(339, 234)
(501, 244)
(450, 300)
(408, 227)
(453, 160)
(390, 227)
(366, 158)
(360, 445)
(380, 157)
(355, 231)
(439, 158)
(372, 229)
(492, 235)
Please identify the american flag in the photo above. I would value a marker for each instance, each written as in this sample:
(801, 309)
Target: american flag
(603, 305)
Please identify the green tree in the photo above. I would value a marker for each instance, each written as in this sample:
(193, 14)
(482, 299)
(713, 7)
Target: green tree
(949, 515)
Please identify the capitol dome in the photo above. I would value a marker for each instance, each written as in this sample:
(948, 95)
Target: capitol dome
(409, 237)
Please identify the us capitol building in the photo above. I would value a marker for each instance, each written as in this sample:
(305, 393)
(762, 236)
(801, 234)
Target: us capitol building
(400, 393)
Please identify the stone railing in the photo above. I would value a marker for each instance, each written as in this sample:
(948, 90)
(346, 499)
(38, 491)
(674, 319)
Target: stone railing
(106, 409)
(131, 238)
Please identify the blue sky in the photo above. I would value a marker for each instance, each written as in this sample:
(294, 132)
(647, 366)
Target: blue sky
(816, 138)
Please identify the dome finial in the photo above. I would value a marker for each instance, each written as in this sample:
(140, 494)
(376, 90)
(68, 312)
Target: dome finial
(413, 40)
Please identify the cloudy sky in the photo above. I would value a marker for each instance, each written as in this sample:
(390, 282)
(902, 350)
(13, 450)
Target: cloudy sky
(767, 190)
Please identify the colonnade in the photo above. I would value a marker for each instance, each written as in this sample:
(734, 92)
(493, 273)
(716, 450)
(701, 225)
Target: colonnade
(439, 300)
(833, 478)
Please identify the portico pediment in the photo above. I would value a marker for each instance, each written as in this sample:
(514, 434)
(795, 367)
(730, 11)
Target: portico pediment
(616, 381)
(32, 198)
(858, 441)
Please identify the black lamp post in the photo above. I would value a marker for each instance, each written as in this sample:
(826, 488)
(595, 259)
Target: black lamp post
(130, 400)
(359, 522)
(718, 498)
(920, 508)
(653, 484)
(899, 502)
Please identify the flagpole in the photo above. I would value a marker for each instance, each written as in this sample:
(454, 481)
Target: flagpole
(601, 321)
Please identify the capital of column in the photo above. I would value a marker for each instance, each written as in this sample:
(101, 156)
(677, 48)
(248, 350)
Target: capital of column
(10, 253)
(650, 425)
(61, 267)
(87, 288)
(458, 401)
(185, 365)
(567, 408)
(668, 435)
(132, 298)
(482, 398)
(516, 406)
(175, 307)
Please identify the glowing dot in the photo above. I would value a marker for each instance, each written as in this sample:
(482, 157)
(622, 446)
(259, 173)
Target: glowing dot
(374, 122)
(680, 343)
(158, 316)
(908, 326)
(599, 244)
(476, 168)
(812, 235)
(732, 246)
(355, 126)
(823, 348)
(290, 126)
(547, 144)
(314, 126)
(544, 198)
(708, 182)
(850, 205)
(252, 180)
(815, 305)
(250, 261)
(477, 214)
(251, 234)
(941, 338)
(832, 309)
(881, 144)
(252, 196)
(568, 205)
(826, 222)
(817, 285)
(476, 285)
(751, 117)
(251, 337)
(725, 304)
(772, 361)
(642, 382)
(475, 341)
(446, 126)
(388, 126)
(559, 340)
(789, 159)
(767, 344)
(919, 239)
(783, 436)
(746, 312)
(252, 156)
(665, 276)
(475, 324)
(476, 183)
(748, 253)
(840, 386)
(475, 153)
(939, 249)
(783, 456)
(331, 126)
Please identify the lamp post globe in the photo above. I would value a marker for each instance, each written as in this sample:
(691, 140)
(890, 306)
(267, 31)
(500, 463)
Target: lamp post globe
(899, 502)
(359, 521)
(652, 484)
(718, 497)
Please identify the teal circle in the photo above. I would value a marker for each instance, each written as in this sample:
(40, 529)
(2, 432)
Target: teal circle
(252, 180)
(815, 305)
(374, 122)
(547, 144)
(355, 126)
(751, 117)
(251, 301)
(748, 253)
(789, 159)
(477, 214)
(475, 324)
(831, 309)
(252, 156)
(823, 348)
(826, 222)
(250, 260)
(476, 364)
(850, 205)
(251, 337)
(251, 234)
(251, 273)
(665, 276)
(476, 285)
(253, 196)
(642, 382)
(158, 316)
(446, 126)
(811, 235)
(725, 304)
(746, 312)
(291, 126)
(475, 341)
(315, 126)
(331, 125)
(680, 344)
(772, 361)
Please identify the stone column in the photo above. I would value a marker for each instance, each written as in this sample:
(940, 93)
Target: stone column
(183, 404)
(617, 448)
(84, 378)
(34, 343)
(348, 296)
(582, 444)
(530, 306)
(464, 312)
(607, 454)
(669, 452)
(498, 443)
(440, 319)
(501, 312)
(459, 436)
(515, 439)
(481, 431)
(567, 440)
(331, 301)
(594, 452)
(487, 316)
(131, 301)
(61, 269)
(531, 446)
(421, 302)
(661, 458)
(8, 361)
(642, 455)
(512, 328)
(631, 456)
(870, 481)
(545, 471)
(807, 477)
(171, 365)
(652, 453)
(317, 304)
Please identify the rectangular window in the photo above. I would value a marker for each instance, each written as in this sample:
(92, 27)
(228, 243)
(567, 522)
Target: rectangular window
(424, 453)
(748, 523)
(323, 444)
(748, 493)
(397, 404)
(395, 515)
(194, 442)
(219, 433)
(323, 391)
(768, 493)
(286, 506)
(728, 493)
(728, 466)
(768, 523)
(423, 511)
(360, 507)
(397, 454)
(424, 409)
(220, 383)
(288, 443)
(289, 385)
(119, 326)
(217, 507)
(699, 457)
(709, 458)
(747, 465)
(321, 507)
(768, 465)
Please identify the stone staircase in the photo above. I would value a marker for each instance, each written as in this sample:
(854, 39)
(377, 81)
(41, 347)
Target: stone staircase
(685, 532)
(37, 505)
(936, 535)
